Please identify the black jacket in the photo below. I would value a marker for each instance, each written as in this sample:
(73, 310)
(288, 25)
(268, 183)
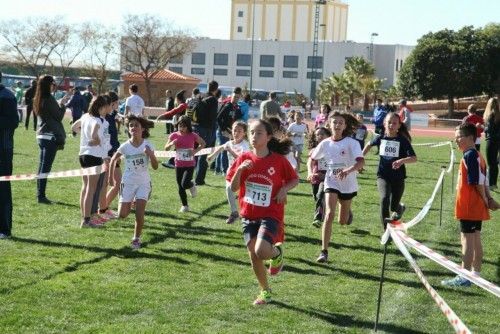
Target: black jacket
(50, 120)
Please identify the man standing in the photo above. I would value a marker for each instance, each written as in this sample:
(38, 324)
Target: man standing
(28, 99)
(134, 104)
(9, 120)
(88, 95)
(204, 122)
(404, 114)
(270, 108)
(379, 113)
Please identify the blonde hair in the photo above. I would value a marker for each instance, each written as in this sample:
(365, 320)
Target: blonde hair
(492, 110)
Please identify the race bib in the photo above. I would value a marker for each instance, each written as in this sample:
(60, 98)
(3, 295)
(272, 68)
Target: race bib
(360, 134)
(322, 164)
(136, 162)
(389, 148)
(184, 155)
(257, 194)
(335, 168)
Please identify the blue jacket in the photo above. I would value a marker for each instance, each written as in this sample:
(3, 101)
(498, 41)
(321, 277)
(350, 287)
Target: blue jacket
(76, 104)
(379, 114)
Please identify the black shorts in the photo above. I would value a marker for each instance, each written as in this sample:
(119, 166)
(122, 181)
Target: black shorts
(470, 226)
(265, 228)
(87, 161)
(344, 197)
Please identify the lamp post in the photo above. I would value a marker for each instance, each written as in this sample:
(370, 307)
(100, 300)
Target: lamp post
(324, 45)
(372, 37)
(251, 54)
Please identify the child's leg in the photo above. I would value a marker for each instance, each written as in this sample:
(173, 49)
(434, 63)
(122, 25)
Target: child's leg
(97, 193)
(320, 202)
(113, 191)
(124, 209)
(478, 252)
(89, 194)
(231, 198)
(314, 188)
(187, 178)
(384, 190)
(345, 208)
(83, 191)
(102, 194)
(326, 232)
(468, 241)
(140, 209)
(179, 173)
(397, 190)
(258, 265)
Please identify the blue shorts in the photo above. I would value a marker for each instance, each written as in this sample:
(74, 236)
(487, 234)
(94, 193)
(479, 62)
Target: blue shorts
(265, 228)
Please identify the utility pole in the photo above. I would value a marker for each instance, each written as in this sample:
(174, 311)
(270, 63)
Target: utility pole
(251, 54)
(372, 37)
(314, 63)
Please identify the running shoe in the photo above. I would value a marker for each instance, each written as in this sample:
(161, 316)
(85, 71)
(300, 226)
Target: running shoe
(317, 223)
(194, 191)
(263, 298)
(184, 208)
(136, 243)
(396, 215)
(276, 264)
(98, 219)
(109, 214)
(232, 218)
(90, 224)
(323, 257)
(457, 281)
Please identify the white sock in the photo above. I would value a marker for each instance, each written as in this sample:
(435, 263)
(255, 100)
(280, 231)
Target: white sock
(477, 273)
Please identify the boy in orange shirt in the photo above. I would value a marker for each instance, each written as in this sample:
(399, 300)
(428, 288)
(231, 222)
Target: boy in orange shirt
(472, 203)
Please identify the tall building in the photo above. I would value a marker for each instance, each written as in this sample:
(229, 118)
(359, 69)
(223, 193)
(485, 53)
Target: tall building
(288, 20)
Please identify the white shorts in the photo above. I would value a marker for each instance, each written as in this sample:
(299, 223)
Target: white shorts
(129, 192)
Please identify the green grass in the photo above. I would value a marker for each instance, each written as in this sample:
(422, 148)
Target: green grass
(193, 274)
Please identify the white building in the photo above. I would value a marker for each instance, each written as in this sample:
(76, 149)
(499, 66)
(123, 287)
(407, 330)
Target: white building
(288, 20)
(284, 66)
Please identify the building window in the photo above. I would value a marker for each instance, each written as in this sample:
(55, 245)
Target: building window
(290, 74)
(317, 75)
(198, 70)
(198, 58)
(397, 63)
(242, 73)
(240, 13)
(240, 29)
(175, 69)
(315, 62)
(176, 60)
(401, 64)
(266, 74)
(266, 61)
(243, 59)
(220, 58)
(291, 61)
(220, 71)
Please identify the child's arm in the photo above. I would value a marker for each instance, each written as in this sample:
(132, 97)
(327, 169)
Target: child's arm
(151, 154)
(95, 141)
(212, 155)
(235, 182)
(408, 160)
(281, 195)
(169, 144)
(232, 152)
(366, 149)
(201, 144)
(360, 162)
(112, 166)
(76, 126)
(309, 168)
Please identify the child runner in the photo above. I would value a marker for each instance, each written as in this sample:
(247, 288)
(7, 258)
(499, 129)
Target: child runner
(92, 149)
(322, 118)
(185, 141)
(280, 134)
(298, 130)
(395, 151)
(473, 118)
(263, 177)
(344, 160)
(234, 147)
(136, 182)
(316, 171)
(472, 203)
(361, 131)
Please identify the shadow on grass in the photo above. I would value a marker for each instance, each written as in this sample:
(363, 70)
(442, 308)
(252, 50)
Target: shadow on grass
(344, 321)
(206, 255)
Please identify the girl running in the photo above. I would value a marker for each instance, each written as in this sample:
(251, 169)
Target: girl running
(185, 141)
(263, 177)
(322, 118)
(234, 147)
(298, 130)
(344, 160)
(395, 151)
(136, 182)
(316, 171)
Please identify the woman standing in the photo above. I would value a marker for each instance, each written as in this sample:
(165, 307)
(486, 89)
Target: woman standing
(492, 136)
(50, 135)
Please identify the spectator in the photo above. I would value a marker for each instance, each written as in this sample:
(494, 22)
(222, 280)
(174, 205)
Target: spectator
(50, 135)
(19, 93)
(8, 123)
(270, 108)
(169, 105)
(245, 107)
(134, 104)
(28, 99)
(492, 138)
(88, 95)
(76, 103)
(404, 114)
(379, 113)
(476, 120)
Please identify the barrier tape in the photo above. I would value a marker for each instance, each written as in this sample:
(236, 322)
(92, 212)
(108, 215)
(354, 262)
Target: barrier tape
(171, 154)
(452, 317)
(434, 144)
(445, 262)
(53, 175)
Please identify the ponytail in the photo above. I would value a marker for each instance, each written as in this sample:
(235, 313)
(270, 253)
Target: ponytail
(282, 146)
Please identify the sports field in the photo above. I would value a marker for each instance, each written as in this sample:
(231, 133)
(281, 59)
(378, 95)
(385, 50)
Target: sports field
(193, 274)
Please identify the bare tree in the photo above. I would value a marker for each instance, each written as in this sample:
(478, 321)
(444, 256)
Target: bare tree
(148, 44)
(32, 42)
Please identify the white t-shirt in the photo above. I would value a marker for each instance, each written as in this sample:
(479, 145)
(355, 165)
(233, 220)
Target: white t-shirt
(298, 131)
(135, 103)
(87, 123)
(243, 146)
(106, 145)
(136, 162)
(340, 155)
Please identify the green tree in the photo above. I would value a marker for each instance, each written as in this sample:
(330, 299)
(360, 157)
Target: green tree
(491, 38)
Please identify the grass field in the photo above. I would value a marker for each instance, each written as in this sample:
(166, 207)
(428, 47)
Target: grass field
(193, 274)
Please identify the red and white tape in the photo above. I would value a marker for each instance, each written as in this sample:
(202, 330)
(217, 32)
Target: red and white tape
(452, 317)
(445, 262)
(171, 154)
(54, 175)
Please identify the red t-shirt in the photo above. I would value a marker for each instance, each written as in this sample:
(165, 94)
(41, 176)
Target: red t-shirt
(260, 185)
(184, 147)
(474, 119)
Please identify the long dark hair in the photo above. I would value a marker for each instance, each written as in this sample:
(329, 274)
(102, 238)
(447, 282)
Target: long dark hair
(145, 124)
(43, 91)
(403, 129)
(98, 103)
(351, 123)
(312, 140)
(282, 146)
(185, 121)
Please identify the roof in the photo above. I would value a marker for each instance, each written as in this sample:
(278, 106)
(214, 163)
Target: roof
(161, 75)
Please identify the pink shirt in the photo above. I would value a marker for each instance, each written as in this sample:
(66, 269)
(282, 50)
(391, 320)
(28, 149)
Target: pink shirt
(184, 147)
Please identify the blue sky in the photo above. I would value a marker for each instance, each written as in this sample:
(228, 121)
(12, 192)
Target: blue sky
(396, 21)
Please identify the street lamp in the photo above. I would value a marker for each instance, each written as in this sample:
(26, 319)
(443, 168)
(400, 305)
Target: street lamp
(324, 45)
(372, 37)
(251, 54)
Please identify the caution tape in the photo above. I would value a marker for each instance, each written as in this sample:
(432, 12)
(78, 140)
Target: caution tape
(69, 173)
(445, 262)
(434, 144)
(452, 317)
(171, 154)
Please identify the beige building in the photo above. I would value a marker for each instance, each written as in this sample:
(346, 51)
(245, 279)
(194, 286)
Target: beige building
(288, 20)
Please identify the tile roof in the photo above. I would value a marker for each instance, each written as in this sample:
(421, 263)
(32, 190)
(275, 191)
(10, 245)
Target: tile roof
(160, 76)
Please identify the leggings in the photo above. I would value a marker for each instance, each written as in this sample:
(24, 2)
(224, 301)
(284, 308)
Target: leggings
(184, 177)
(319, 197)
(390, 195)
(492, 151)
(231, 197)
